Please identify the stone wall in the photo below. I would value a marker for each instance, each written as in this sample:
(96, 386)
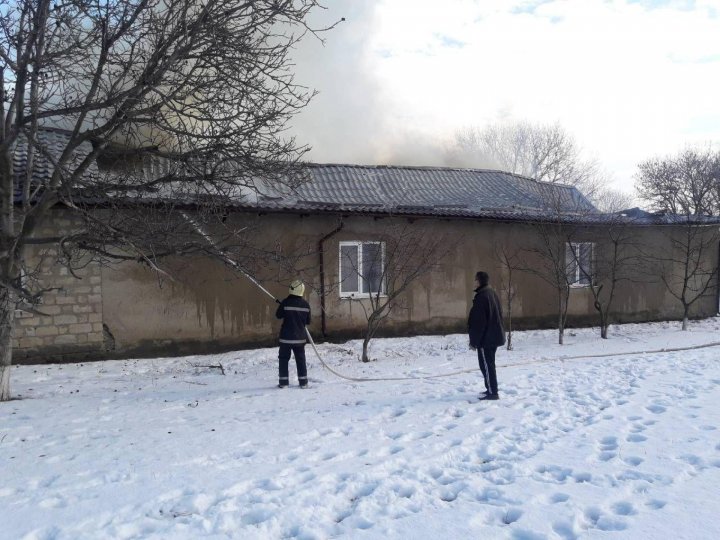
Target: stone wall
(69, 321)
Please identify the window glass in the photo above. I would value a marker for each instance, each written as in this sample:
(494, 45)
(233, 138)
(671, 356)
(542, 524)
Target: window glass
(578, 263)
(349, 269)
(585, 269)
(371, 267)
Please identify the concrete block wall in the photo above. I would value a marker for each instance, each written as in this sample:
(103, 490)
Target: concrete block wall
(70, 318)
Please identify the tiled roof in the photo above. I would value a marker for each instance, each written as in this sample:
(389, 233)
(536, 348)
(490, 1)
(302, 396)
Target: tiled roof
(389, 190)
(638, 215)
(51, 144)
(427, 191)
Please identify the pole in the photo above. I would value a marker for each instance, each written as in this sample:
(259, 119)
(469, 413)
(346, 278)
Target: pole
(227, 259)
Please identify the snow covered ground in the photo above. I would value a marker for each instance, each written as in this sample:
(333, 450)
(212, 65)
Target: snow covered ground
(626, 446)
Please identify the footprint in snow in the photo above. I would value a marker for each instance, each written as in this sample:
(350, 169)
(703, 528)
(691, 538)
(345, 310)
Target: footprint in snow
(552, 474)
(398, 412)
(594, 518)
(558, 497)
(608, 443)
(636, 437)
(624, 508)
(633, 460)
(451, 492)
(505, 516)
(255, 517)
(655, 504)
(656, 409)
(564, 530)
(691, 459)
(582, 477)
(404, 491)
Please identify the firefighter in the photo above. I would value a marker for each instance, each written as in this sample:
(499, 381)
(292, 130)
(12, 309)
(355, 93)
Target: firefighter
(295, 314)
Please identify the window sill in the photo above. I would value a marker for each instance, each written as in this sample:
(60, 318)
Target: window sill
(360, 296)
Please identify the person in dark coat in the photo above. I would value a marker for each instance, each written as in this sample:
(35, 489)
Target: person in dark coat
(295, 314)
(485, 327)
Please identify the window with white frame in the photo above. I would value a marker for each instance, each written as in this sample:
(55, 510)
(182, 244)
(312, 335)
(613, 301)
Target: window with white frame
(361, 268)
(579, 263)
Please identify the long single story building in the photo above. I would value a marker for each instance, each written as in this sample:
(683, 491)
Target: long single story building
(349, 232)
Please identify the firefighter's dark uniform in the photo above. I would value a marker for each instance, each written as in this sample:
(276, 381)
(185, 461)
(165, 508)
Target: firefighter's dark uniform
(295, 314)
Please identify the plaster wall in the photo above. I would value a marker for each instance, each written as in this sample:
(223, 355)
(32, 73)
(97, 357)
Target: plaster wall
(207, 306)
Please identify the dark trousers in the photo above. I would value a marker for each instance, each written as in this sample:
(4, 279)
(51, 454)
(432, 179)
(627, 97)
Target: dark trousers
(486, 359)
(284, 357)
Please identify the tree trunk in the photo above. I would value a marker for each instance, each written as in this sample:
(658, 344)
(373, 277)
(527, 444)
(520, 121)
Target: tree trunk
(561, 323)
(685, 318)
(509, 333)
(373, 325)
(604, 325)
(7, 317)
(366, 342)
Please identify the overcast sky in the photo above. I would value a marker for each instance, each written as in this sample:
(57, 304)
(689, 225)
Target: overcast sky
(628, 79)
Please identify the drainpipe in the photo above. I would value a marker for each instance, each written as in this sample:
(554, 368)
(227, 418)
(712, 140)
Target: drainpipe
(323, 324)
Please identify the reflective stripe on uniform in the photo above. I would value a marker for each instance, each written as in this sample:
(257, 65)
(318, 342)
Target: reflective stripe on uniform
(292, 341)
(284, 378)
(291, 308)
(303, 378)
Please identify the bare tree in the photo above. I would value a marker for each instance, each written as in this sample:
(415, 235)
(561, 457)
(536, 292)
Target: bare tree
(614, 259)
(609, 200)
(689, 268)
(385, 269)
(548, 254)
(685, 184)
(189, 99)
(546, 153)
(509, 256)
(687, 187)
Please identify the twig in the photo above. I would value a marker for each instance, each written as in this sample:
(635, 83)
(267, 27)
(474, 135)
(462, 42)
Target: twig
(219, 366)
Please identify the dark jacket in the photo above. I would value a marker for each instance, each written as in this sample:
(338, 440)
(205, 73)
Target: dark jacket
(485, 324)
(295, 313)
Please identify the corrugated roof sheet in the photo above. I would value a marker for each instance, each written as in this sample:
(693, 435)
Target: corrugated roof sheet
(50, 146)
(391, 190)
(427, 191)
